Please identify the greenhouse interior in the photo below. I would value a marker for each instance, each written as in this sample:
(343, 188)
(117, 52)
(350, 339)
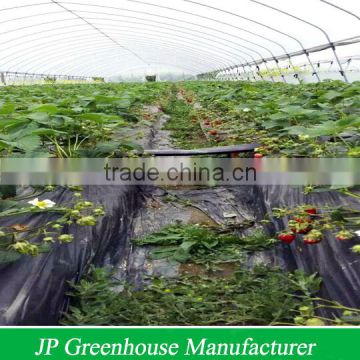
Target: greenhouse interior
(90, 89)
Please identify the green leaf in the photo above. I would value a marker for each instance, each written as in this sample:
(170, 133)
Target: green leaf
(48, 132)
(7, 108)
(97, 117)
(332, 95)
(162, 252)
(46, 108)
(29, 143)
(102, 99)
(40, 117)
(131, 145)
(21, 132)
(44, 248)
(8, 204)
(6, 144)
(13, 124)
(296, 130)
(326, 128)
(9, 256)
(187, 245)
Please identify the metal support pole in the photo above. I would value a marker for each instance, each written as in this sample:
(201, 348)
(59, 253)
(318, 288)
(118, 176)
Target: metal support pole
(342, 72)
(2, 78)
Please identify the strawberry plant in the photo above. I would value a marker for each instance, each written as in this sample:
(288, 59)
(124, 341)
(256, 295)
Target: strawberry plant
(311, 223)
(198, 243)
(18, 239)
(261, 296)
(71, 120)
(313, 120)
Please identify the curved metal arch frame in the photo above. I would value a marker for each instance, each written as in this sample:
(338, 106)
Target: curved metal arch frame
(222, 22)
(152, 15)
(85, 64)
(204, 27)
(96, 28)
(35, 68)
(166, 17)
(340, 8)
(174, 19)
(214, 41)
(191, 30)
(39, 24)
(232, 54)
(46, 23)
(172, 29)
(158, 63)
(207, 18)
(84, 29)
(90, 72)
(254, 1)
(332, 46)
(69, 27)
(100, 67)
(183, 21)
(176, 45)
(52, 56)
(100, 31)
(24, 6)
(34, 26)
(311, 24)
(266, 26)
(172, 48)
(39, 32)
(31, 16)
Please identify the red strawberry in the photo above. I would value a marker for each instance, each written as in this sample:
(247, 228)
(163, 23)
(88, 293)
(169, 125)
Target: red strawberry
(304, 230)
(287, 238)
(258, 155)
(311, 211)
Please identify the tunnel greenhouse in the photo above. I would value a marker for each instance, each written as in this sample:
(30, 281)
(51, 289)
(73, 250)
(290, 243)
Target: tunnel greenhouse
(180, 163)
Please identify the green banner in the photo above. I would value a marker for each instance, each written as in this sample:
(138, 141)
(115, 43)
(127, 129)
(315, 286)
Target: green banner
(179, 343)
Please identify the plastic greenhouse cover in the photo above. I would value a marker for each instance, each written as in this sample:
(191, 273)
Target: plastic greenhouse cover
(111, 37)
